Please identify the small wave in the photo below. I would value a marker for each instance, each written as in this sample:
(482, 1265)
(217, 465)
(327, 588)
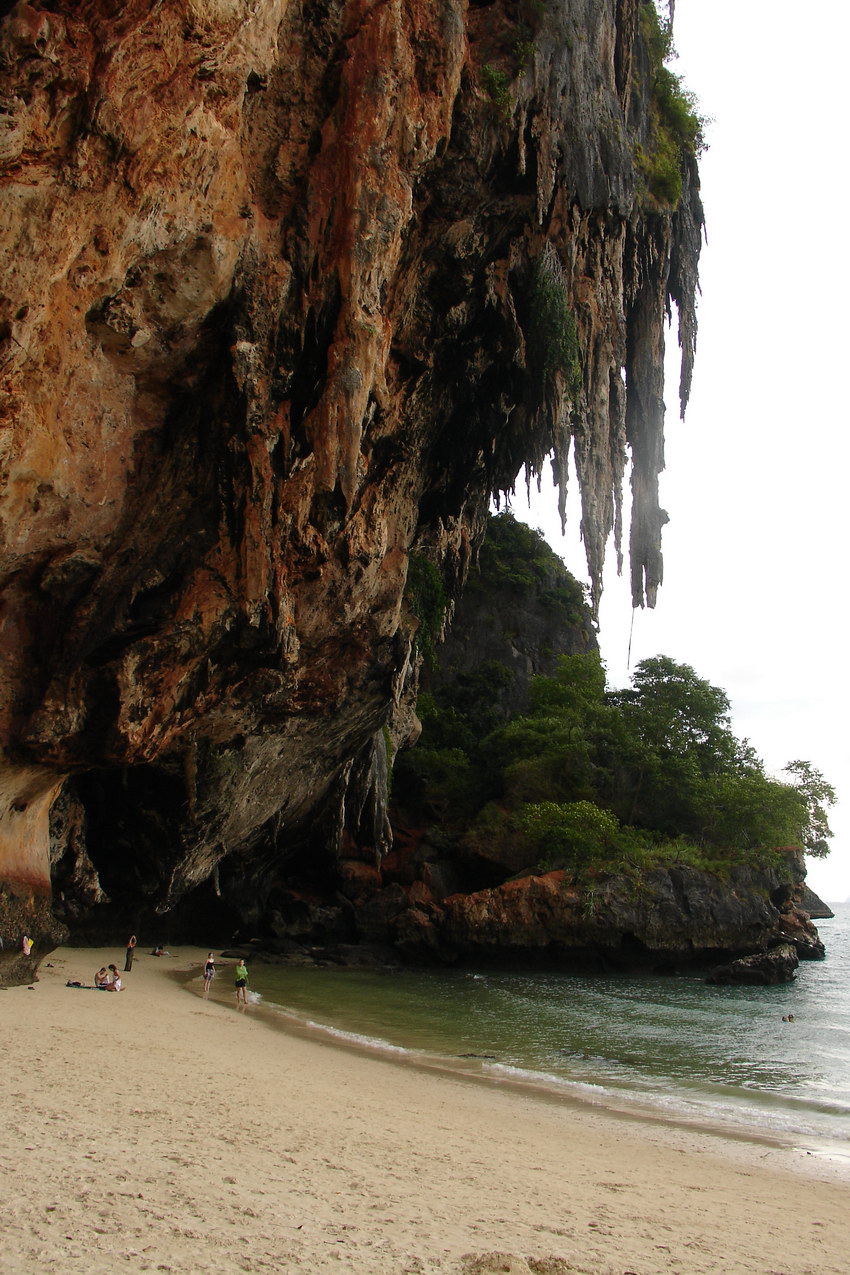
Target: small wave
(798, 1119)
(360, 1039)
(356, 1038)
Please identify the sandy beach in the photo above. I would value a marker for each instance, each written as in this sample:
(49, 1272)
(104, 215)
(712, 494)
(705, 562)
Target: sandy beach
(155, 1130)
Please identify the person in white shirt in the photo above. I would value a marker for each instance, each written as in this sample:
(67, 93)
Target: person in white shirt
(113, 980)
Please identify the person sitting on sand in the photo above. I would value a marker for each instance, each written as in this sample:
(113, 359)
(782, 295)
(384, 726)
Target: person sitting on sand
(113, 980)
(160, 951)
(101, 978)
(209, 971)
(240, 974)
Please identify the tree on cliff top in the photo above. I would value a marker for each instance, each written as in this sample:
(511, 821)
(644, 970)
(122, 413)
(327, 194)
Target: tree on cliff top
(592, 778)
(816, 794)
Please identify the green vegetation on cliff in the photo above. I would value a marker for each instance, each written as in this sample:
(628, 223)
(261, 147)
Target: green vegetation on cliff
(425, 595)
(677, 129)
(590, 778)
(515, 558)
(554, 343)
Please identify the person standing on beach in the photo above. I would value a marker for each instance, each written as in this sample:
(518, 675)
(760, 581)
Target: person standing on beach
(128, 957)
(209, 972)
(241, 976)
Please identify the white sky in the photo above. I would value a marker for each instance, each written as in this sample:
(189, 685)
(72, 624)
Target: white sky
(757, 477)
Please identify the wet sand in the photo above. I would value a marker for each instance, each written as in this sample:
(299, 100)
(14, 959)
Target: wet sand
(159, 1130)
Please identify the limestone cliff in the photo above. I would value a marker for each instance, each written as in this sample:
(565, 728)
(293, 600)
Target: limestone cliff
(668, 918)
(520, 610)
(270, 321)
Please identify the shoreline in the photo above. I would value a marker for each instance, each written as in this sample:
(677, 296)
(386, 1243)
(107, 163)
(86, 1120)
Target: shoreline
(199, 1140)
(834, 1151)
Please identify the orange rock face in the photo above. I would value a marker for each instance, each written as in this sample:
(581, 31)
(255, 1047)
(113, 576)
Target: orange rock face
(265, 329)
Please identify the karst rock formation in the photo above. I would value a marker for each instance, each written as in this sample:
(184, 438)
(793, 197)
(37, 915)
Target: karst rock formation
(270, 325)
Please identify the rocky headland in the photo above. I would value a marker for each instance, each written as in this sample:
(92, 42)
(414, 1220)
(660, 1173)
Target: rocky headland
(290, 294)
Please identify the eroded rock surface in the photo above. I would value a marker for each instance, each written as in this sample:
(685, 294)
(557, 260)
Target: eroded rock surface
(266, 327)
(665, 918)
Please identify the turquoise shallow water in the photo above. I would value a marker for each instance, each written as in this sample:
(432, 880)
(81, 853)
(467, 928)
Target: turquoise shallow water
(674, 1045)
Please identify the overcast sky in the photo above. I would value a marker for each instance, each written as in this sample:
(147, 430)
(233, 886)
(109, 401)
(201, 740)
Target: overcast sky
(756, 479)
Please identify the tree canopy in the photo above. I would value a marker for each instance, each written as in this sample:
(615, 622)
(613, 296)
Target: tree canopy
(622, 778)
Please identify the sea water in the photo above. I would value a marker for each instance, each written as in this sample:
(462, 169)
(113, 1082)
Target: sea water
(670, 1045)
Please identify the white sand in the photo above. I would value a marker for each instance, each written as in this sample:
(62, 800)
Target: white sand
(157, 1131)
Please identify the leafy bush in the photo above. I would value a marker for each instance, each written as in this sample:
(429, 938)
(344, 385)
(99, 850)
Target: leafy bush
(554, 344)
(677, 111)
(450, 785)
(496, 84)
(444, 726)
(569, 835)
(677, 127)
(426, 596)
(523, 53)
(661, 170)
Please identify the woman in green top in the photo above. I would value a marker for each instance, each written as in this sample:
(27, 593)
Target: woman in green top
(241, 976)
